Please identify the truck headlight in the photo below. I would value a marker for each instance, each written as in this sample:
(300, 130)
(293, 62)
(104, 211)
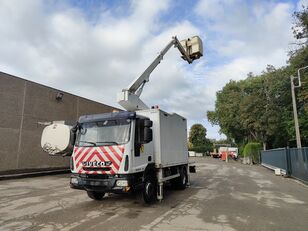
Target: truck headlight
(74, 180)
(122, 183)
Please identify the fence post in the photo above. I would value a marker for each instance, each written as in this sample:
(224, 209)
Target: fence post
(289, 167)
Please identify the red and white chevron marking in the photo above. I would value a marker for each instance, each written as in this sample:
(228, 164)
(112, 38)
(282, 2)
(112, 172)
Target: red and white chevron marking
(105, 153)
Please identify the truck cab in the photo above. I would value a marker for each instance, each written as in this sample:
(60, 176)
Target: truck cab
(111, 151)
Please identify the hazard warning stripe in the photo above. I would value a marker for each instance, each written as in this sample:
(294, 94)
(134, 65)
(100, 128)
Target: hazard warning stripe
(119, 148)
(112, 171)
(105, 153)
(85, 155)
(87, 159)
(110, 155)
(78, 152)
(117, 154)
(107, 157)
(102, 159)
(81, 154)
(93, 157)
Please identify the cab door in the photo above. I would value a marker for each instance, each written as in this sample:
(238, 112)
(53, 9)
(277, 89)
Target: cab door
(143, 145)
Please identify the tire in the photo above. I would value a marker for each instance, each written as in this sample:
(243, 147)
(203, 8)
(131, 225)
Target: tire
(181, 181)
(183, 178)
(149, 191)
(95, 195)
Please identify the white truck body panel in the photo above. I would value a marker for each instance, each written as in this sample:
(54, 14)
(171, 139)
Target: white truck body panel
(169, 137)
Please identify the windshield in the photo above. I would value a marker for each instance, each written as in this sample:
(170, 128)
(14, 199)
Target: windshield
(108, 132)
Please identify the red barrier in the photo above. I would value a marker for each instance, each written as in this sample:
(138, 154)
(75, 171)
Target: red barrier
(224, 155)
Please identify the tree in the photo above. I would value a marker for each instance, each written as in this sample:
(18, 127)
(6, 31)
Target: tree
(298, 59)
(259, 108)
(256, 109)
(197, 135)
(300, 30)
(227, 108)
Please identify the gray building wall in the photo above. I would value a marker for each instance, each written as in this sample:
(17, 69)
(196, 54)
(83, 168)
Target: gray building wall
(22, 105)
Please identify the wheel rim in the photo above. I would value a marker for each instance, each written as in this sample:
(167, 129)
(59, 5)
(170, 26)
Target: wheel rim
(149, 189)
(184, 179)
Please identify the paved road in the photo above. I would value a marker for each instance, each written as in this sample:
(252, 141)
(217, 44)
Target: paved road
(223, 196)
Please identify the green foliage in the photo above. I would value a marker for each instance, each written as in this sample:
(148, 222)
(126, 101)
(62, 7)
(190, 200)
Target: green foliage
(241, 150)
(197, 135)
(198, 141)
(300, 29)
(226, 112)
(253, 150)
(202, 149)
(259, 108)
(256, 108)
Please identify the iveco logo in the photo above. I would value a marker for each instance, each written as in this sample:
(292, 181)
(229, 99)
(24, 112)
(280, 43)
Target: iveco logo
(96, 163)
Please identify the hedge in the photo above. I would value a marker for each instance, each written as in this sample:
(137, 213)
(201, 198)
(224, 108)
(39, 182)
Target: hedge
(200, 149)
(253, 150)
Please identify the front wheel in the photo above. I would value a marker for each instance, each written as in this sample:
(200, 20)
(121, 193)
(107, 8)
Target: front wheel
(95, 195)
(149, 189)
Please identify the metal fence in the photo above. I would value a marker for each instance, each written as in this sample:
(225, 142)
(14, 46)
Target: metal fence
(292, 161)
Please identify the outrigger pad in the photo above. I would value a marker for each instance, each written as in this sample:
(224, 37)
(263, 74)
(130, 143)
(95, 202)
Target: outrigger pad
(56, 139)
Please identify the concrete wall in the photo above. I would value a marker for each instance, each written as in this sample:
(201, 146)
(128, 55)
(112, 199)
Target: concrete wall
(22, 105)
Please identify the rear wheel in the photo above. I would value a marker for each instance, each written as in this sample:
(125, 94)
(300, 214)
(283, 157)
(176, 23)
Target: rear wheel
(181, 181)
(95, 195)
(184, 178)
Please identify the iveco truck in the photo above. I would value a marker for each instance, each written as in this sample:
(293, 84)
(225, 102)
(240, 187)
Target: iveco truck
(139, 149)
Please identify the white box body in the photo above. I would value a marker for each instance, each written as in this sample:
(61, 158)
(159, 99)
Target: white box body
(169, 137)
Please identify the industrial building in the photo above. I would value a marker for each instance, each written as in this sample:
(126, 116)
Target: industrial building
(23, 104)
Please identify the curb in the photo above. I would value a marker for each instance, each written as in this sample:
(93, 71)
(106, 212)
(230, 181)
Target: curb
(33, 174)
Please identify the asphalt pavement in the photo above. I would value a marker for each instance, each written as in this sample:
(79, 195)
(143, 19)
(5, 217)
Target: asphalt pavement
(222, 196)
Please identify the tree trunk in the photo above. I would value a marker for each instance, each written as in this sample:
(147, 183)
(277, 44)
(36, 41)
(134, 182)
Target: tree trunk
(264, 146)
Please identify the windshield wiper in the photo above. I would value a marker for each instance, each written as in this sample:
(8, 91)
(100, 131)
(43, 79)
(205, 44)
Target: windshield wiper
(88, 142)
(107, 142)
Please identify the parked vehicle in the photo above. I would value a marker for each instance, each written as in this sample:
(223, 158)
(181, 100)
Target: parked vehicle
(230, 151)
(233, 152)
(121, 152)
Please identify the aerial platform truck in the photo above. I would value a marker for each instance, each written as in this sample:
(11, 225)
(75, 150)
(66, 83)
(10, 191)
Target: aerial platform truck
(141, 148)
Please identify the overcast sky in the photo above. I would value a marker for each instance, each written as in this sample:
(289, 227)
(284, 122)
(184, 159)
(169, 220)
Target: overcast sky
(96, 48)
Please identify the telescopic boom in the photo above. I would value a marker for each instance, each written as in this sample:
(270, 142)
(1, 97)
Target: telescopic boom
(190, 49)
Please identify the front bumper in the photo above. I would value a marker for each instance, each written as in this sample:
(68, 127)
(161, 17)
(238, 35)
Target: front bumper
(100, 183)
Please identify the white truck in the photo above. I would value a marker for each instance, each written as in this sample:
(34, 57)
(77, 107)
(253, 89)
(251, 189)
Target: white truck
(126, 151)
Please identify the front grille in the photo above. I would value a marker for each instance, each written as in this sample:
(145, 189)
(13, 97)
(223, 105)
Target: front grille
(97, 176)
(96, 169)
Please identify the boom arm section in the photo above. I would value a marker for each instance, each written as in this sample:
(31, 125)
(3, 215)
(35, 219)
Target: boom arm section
(129, 98)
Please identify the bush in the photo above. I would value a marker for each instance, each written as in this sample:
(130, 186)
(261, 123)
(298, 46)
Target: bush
(252, 150)
(241, 150)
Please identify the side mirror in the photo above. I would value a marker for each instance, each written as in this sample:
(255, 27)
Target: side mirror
(148, 135)
(73, 134)
(148, 123)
